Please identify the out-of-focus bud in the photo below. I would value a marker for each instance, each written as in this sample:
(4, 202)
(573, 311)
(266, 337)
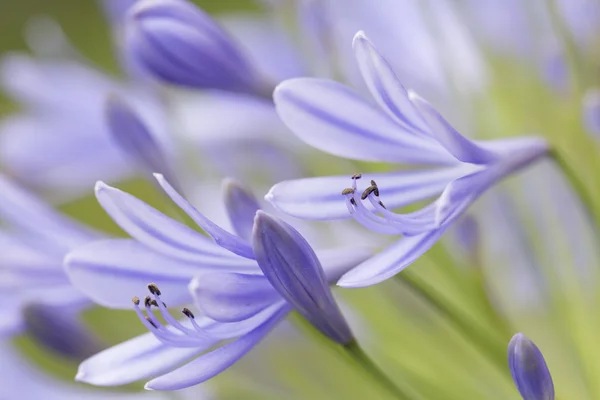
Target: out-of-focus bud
(134, 137)
(591, 112)
(179, 44)
(529, 370)
(290, 264)
(60, 331)
(241, 207)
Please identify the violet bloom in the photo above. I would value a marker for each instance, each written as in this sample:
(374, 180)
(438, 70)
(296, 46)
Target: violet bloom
(529, 370)
(403, 129)
(180, 44)
(39, 298)
(236, 300)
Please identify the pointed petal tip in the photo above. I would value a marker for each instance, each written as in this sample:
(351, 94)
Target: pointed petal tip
(100, 187)
(80, 377)
(147, 386)
(360, 35)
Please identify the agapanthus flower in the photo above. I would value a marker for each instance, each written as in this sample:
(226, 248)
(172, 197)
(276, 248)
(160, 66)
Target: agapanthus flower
(403, 129)
(529, 369)
(236, 300)
(39, 297)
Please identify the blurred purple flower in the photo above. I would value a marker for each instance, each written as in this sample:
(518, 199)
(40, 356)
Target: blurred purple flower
(236, 300)
(405, 129)
(529, 370)
(34, 242)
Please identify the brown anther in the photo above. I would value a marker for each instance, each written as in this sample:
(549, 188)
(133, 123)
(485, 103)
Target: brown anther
(357, 176)
(148, 301)
(376, 191)
(188, 313)
(381, 204)
(136, 300)
(154, 303)
(153, 289)
(347, 191)
(368, 191)
(152, 323)
(352, 201)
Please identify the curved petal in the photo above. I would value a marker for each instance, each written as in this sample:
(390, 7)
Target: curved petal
(459, 146)
(213, 363)
(139, 358)
(321, 198)
(335, 119)
(391, 261)
(233, 243)
(385, 87)
(241, 206)
(112, 271)
(154, 229)
(231, 297)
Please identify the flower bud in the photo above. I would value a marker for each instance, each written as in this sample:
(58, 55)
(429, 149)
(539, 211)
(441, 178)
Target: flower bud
(529, 370)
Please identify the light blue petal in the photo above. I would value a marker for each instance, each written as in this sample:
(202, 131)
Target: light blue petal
(213, 363)
(333, 118)
(321, 198)
(233, 243)
(385, 87)
(154, 229)
(139, 358)
(529, 370)
(112, 271)
(231, 297)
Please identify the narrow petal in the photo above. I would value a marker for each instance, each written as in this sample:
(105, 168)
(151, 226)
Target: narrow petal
(460, 147)
(385, 87)
(335, 119)
(241, 207)
(213, 363)
(292, 267)
(233, 243)
(139, 358)
(111, 271)
(391, 261)
(231, 297)
(133, 137)
(153, 228)
(321, 198)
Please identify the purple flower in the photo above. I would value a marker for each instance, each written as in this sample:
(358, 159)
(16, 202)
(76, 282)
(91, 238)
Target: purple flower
(180, 44)
(403, 129)
(36, 288)
(237, 301)
(529, 370)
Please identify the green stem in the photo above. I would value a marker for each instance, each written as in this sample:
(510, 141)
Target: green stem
(577, 185)
(481, 340)
(357, 353)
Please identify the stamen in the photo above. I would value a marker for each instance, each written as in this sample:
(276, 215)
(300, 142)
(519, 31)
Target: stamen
(188, 313)
(368, 191)
(154, 289)
(357, 176)
(376, 189)
(136, 300)
(151, 322)
(347, 191)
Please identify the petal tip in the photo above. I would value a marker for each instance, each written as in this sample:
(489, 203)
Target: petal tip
(360, 35)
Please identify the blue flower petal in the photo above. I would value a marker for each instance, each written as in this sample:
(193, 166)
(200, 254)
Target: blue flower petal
(213, 363)
(241, 207)
(233, 243)
(139, 358)
(154, 229)
(231, 297)
(321, 198)
(333, 118)
(529, 370)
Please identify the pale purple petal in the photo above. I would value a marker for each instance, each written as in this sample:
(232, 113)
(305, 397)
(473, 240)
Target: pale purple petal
(529, 370)
(321, 198)
(154, 229)
(231, 297)
(333, 118)
(111, 271)
(241, 207)
(213, 363)
(233, 243)
(336, 262)
(139, 358)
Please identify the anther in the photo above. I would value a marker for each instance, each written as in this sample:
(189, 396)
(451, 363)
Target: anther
(352, 201)
(347, 191)
(147, 301)
(357, 176)
(375, 188)
(188, 313)
(136, 300)
(153, 289)
(151, 323)
(368, 191)
(381, 204)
